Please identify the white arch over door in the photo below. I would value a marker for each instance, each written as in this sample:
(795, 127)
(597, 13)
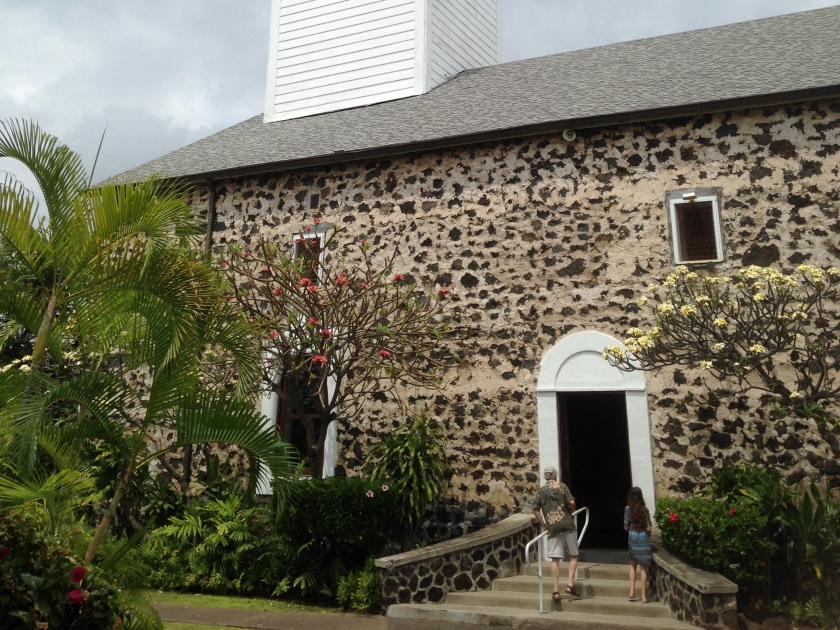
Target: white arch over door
(575, 364)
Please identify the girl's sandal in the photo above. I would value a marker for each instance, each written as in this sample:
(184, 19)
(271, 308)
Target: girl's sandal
(571, 590)
(556, 596)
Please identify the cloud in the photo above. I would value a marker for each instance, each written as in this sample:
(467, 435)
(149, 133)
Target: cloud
(163, 74)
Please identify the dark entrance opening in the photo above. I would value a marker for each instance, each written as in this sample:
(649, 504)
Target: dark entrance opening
(595, 462)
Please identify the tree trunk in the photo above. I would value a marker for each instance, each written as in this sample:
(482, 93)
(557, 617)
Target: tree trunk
(102, 528)
(44, 330)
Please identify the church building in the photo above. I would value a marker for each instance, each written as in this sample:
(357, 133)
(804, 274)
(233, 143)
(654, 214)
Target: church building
(549, 193)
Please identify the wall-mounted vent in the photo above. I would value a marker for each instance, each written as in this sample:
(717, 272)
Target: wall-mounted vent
(326, 55)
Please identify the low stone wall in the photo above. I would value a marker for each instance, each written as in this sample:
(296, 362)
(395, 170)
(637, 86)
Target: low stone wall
(698, 597)
(468, 563)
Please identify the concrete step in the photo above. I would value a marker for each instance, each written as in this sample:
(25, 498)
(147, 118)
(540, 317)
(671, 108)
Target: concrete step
(530, 601)
(447, 617)
(586, 570)
(591, 587)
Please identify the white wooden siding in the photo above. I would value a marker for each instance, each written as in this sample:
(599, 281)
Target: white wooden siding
(326, 55)
(463, 34)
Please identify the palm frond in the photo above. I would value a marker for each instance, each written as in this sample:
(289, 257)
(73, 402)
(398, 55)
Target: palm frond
(58, 170)
(217, 417)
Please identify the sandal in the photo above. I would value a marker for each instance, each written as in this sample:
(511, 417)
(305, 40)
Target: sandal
(556, 596)
(571, 590)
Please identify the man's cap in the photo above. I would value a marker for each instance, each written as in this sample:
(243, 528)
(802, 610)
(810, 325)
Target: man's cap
(550, 472)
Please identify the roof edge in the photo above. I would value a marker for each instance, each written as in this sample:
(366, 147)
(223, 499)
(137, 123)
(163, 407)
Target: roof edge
(692, 109)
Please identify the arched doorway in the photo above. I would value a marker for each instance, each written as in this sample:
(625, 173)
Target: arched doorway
(593, 427)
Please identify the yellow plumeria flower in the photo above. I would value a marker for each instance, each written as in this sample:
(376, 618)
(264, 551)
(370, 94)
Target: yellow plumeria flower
(720, 322)
(705, 365)
(757, 348)
(687, 310)
(642, 301)
(795, 395)
(759, 297)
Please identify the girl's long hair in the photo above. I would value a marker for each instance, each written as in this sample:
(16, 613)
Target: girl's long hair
(638, 511)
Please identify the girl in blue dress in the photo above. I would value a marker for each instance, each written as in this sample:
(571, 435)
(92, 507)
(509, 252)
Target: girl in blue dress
(637, 525)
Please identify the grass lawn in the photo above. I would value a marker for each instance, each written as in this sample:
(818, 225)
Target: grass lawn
(225, 601)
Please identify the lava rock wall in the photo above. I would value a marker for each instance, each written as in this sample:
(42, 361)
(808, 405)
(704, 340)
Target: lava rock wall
(540, 238)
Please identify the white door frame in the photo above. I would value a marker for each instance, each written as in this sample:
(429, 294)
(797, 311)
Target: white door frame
(575, 364)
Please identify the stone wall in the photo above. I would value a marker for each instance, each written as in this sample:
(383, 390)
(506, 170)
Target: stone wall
(468, 563)
(698, 597)
(541, 238)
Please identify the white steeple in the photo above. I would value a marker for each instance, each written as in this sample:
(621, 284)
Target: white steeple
(326, 55)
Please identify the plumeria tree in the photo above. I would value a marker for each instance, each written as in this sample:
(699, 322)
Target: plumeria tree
(347, 328)
(762, 330)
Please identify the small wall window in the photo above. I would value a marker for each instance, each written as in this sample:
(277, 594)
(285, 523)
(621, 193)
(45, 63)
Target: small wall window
(695, 227)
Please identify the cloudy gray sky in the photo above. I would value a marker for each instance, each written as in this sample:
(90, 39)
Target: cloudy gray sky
(163, 73)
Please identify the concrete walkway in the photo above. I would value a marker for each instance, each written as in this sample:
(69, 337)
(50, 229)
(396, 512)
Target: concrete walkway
(268, 620)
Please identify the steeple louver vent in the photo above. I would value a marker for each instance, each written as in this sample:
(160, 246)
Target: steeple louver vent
(326, 55)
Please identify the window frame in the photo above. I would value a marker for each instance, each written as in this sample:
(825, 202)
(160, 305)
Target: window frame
(701, 196)
(319, 231)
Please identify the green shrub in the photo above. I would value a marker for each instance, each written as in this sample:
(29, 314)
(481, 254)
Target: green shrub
(413, 460)
(361, 590)
(729, 540)
(37, 587)
(221, 545)
(350, 519)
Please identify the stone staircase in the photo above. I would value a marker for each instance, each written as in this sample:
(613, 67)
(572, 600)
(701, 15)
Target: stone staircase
(514, 603)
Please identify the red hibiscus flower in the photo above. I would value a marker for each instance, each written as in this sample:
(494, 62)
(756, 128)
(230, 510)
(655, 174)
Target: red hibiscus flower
(674, 517)
(76, 596)
(398, 277)
(733, 512)
(342, 280)
(78, 574)
(274, 334)
(319, 359)
(316, 220)
(326, 332)
(385, 354)
(277, 291)
(312, 288)
(313, 321)
(3, 553)
(443, 291)
(305, 282)
(308, 228)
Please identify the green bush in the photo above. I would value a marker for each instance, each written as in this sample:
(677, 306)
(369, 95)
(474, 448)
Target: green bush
(221, 545)
(413, 460)
(361, 590)
(350, 519)
(327, 528)
(729, 540)
(37, 586)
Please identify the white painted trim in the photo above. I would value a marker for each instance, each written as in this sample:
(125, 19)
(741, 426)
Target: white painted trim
(675, 233)
(570, 366)
(271, 73)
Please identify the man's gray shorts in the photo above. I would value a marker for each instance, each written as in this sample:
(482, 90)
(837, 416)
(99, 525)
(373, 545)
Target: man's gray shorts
(561, 542)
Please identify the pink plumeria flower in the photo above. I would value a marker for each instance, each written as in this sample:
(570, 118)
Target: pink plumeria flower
(369, 494)
(385, 487)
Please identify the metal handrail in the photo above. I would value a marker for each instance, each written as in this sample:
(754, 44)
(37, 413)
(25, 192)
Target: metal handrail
(541, 550)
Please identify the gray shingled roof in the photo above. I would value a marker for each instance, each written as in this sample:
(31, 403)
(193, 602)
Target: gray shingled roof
(769, 60)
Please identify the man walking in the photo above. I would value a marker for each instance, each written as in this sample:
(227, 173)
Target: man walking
(557, 503)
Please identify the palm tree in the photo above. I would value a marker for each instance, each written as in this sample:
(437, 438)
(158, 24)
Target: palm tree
(112, 274)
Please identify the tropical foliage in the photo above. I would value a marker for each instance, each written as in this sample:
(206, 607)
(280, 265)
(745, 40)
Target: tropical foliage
(108, 284)
(307, 546)
(413, 459)
(802, 527)
(354, 327)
